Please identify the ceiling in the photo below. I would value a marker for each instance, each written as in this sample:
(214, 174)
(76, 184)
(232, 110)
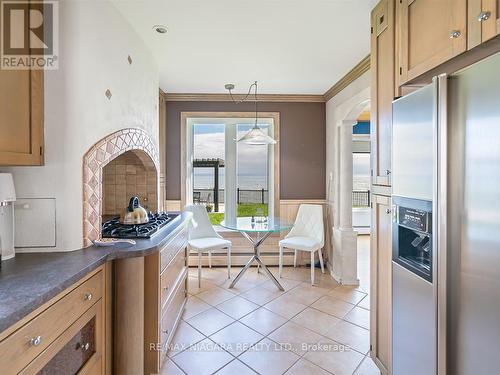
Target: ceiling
(289, 46)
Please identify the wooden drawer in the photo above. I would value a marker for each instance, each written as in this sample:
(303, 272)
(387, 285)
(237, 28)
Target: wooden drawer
(172, 247)
(22, 346)
(172, 311)
(77, 351)
(171, 274)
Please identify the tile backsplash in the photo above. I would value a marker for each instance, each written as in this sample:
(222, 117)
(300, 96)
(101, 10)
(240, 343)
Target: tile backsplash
(125, 177)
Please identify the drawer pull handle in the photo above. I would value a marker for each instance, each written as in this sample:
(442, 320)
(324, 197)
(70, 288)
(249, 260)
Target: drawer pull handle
(84, 347)
(87, 297)
(35, 341)
(455, 34)
(387, 172)
(165, 331)
(484, 16)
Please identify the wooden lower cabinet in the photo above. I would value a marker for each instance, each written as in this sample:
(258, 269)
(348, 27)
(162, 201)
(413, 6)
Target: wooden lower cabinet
(165, 295)
(79, 350)
(64, 336)
(381, 283)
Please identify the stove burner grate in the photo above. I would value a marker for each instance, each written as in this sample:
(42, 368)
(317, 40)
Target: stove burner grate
(114, 229)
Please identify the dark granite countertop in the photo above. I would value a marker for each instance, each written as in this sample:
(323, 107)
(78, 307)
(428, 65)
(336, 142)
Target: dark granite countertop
(31, 279)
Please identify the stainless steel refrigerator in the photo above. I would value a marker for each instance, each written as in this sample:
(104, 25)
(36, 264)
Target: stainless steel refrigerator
(446, 225)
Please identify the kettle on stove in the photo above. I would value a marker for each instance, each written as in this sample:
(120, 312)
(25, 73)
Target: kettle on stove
(134, 213)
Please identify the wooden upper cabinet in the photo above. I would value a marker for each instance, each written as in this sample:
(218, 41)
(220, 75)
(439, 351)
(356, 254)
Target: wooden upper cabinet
(21, 113)
(483, 21)
(430, 32)
(383, 89)
(21, 117)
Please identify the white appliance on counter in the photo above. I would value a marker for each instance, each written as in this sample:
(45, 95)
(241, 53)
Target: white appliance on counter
(7, 199)
(446, 215)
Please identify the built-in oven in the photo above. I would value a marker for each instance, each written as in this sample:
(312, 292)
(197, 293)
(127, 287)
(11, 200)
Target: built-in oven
(412, 235)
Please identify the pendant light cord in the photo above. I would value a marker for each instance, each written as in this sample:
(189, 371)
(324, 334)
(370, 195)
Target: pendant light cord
(253, 85)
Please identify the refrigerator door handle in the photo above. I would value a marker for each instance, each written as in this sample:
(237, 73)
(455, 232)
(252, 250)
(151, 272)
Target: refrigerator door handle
(440, 222)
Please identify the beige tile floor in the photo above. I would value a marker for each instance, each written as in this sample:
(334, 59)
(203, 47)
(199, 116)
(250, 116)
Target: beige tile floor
(255, 328)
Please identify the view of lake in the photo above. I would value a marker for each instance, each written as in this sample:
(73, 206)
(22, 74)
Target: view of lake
(206, 181)
(249, 182)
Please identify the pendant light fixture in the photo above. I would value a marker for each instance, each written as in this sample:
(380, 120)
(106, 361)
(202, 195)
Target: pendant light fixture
(256, 135)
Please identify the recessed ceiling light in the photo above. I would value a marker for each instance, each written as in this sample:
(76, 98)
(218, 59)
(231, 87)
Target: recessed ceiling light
(160, 29)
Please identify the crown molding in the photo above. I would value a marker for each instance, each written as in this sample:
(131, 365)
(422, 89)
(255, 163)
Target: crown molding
(356, 72)
(296, 98)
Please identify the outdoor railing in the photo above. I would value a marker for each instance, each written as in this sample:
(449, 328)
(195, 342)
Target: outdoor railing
(261, 196)
(361, 198)
(244, 196)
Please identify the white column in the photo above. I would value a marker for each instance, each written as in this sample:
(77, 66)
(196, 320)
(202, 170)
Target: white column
(346, 175)
(344, 263)
(230, 171)
(336, 179)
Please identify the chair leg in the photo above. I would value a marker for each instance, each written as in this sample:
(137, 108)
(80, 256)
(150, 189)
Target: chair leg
(199, 269)
(320, 254)
(209, 259)
(280, 262)
(312, 267)
(229, 262)
(258, 265)
(294, 258)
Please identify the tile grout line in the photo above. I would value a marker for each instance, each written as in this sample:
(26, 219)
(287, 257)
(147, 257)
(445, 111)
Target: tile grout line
(287, 320)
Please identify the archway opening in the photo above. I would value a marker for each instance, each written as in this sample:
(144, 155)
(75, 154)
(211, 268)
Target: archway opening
(96, 158)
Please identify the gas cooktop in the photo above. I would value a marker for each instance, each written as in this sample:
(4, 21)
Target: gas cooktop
(114, 229)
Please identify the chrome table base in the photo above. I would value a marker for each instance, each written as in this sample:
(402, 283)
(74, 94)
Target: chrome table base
(256, 257)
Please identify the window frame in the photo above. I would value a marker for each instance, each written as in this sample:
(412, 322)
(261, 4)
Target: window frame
(187, 152)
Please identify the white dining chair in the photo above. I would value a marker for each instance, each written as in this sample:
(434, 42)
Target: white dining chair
(307, 234)
(204, 239)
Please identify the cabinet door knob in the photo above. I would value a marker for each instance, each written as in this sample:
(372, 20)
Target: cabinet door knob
(455, 34)
(387, 210)
(165, 331)
(87, 297)
(387, 172)
(35, 341)
(483, 16)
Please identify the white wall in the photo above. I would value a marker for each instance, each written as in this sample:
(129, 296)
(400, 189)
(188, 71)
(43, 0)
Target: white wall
(94, 41)
(338, 109)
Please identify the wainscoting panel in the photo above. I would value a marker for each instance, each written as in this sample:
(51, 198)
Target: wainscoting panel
(242, 249)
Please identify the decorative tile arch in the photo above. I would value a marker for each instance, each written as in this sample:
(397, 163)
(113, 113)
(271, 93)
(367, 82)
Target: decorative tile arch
(95, 159)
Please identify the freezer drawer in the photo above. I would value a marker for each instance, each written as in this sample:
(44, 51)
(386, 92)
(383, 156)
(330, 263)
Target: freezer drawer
(414, 324)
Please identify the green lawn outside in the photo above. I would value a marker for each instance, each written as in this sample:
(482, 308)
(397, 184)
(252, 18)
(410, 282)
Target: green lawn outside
(244, 210)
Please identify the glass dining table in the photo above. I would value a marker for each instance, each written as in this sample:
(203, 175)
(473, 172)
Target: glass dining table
(261, 228)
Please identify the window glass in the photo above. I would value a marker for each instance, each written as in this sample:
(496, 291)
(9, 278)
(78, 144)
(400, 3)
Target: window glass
(252, 175)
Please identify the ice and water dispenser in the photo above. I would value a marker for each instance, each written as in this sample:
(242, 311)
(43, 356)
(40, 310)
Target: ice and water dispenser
(412, 235)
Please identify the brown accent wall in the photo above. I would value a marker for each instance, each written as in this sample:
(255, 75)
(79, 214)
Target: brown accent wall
(302, 145)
